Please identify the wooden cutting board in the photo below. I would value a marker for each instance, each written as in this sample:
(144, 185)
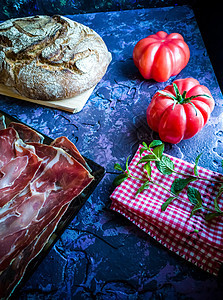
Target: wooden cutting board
(72, 105)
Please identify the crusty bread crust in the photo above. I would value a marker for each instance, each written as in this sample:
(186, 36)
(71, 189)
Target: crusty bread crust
(50, 58)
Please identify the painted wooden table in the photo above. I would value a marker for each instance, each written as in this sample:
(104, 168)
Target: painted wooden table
(101, 255)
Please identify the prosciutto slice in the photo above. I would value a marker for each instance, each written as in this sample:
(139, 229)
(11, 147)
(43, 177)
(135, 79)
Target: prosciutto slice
(26, 133)
(7, 145)
(30, 215)
(11, 276)
(17, 173)
(2, 122)
(65, 144)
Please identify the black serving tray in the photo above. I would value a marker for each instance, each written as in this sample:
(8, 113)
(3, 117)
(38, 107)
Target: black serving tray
(97, 171)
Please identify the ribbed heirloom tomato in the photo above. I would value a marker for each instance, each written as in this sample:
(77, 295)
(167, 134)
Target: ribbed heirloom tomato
(180, 110)
(161, 55)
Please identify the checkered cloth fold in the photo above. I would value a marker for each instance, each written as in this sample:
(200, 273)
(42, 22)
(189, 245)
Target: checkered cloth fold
(193, 238)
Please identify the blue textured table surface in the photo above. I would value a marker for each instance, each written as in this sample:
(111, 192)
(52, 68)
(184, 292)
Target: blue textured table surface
(101, 255)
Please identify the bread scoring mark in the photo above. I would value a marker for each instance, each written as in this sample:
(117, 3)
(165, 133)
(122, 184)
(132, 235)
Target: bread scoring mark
(44, 52)
(54, 54)
(29, 36)
(5, 41)
(20, 29)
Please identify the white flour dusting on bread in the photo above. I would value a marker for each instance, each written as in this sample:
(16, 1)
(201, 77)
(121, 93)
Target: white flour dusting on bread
(50, 58)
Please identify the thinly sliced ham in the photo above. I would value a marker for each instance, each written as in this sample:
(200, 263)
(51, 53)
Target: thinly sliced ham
(18, 172)
(28, 218)
(65, 144)
(8, 137)
(62, 179)
(2, 122)
(26, 133)
(12, 275)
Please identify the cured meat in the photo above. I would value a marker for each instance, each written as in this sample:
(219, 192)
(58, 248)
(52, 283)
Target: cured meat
(26, 133)
(30, 216)
(16, 270)
(18, 165)
(2, 122)
(65, 144)
(61, 179)
(17, 173)
(7, 140)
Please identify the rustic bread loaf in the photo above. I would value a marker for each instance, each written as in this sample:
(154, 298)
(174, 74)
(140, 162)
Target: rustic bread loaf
(49, 58)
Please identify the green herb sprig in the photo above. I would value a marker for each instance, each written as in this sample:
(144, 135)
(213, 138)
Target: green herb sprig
(166, 166)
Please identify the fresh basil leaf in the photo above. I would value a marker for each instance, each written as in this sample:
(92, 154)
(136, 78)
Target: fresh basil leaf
(145, 145)
(217, 208)
(166, 203)
(141, 150)
(158, 150)
(180, 183)
(195, 209)
(194, 196)
(165, 165)
(127, 164)
(196, 163)
(148, 168)
(155, 143)
(143, 187)
(118, 167)
(211, 216)
(119, 179)
(146, 158)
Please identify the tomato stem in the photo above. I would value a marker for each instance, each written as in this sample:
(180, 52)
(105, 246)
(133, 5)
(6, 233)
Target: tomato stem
(181, 99)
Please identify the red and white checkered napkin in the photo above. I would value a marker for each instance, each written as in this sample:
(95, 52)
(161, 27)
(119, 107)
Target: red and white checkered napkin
(196, 240)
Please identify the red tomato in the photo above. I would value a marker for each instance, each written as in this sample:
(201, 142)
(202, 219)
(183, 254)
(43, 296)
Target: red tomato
(161, 55)
(180, 111)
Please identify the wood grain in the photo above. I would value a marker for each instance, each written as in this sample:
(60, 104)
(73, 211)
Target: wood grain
(73, 105)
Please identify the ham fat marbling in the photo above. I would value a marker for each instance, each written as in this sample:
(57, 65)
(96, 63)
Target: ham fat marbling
(37, 184)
